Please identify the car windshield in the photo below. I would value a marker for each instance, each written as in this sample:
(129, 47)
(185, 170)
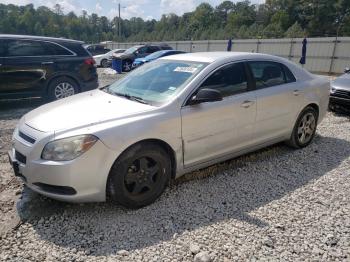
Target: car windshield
(156, 55)
(157, 82)
(130, 50)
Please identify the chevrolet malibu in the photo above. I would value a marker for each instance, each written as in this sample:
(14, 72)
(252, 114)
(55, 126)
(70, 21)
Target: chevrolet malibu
(126, 141)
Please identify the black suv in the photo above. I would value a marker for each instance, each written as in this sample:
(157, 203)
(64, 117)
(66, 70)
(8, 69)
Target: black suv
(53, 68)
(138, 51)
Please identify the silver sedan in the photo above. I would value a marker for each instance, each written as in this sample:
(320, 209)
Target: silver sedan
(126, 141)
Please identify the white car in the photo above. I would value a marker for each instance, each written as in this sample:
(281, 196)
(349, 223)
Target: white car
(103, 60)
(168, 117)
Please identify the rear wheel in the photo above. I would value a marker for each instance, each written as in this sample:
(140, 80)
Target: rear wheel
(62, 87)
(104, 63)
(304, 129)
(139, 176)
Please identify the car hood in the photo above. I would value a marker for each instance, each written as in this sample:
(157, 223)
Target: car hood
(83, 110)
(342, 82)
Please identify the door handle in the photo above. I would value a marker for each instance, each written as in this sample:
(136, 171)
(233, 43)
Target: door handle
(296, 92)
(247, 104)
(47, 63)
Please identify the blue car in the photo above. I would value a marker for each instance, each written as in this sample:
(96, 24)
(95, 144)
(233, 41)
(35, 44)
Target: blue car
(154, 56)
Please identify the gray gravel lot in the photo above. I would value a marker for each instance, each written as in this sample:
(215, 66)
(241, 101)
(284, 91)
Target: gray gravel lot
(277, 204)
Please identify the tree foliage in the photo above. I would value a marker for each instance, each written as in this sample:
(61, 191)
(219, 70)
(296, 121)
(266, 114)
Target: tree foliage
(273, 19)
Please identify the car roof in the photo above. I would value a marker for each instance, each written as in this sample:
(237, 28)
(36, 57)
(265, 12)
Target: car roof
(210, 57)
(44, 38)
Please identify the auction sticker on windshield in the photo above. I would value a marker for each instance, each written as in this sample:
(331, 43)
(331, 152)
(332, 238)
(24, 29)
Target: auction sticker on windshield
(186, 69)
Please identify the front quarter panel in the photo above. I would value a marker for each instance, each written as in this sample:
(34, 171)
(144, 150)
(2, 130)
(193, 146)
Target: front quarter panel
(163, 124)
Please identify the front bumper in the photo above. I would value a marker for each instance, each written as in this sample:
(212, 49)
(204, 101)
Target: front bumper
(80, 180)
(339, 100)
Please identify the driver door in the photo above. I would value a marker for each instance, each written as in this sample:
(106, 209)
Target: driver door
(214, 129)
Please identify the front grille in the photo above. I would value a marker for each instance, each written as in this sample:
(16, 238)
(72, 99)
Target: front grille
(341, 93)
(26, 137)
(20, 157)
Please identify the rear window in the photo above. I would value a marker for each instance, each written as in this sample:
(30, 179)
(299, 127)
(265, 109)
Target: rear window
(55, 49)
(76, 48)
(267, 74)
(166, 47)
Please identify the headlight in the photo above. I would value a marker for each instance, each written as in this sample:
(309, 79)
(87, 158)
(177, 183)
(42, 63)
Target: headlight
(332, 90)
(68, 148)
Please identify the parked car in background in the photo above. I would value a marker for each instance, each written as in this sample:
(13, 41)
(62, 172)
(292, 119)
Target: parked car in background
(138, 51)
(97, 49)
(104, 60)
(53, 68)
(154, 56)
(169, 117)
(340, 91)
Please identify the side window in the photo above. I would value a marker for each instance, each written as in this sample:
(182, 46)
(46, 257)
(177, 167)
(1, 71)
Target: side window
(2, 48)
(290, 78)
(267, 74)
(26, 48)
(229, 80)
(142, 50)
(152, 49)
(56, 49)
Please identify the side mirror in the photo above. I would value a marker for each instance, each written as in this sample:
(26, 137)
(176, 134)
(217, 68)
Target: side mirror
(347, 70)
(206, 95)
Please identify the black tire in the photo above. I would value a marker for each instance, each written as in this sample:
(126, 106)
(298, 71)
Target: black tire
(301, 130)
(127, 64)
(61, 83)
(133, 188)
(104, 63)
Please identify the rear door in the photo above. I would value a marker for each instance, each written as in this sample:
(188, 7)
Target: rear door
(277, 101)
(26, 67)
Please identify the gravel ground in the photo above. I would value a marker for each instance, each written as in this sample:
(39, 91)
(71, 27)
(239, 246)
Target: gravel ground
(277, 204)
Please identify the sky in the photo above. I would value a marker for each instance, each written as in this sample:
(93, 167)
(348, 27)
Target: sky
(147, 9)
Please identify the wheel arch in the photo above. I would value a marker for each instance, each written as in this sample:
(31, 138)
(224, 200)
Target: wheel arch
(314, 106)
(59, 76)
(170, 151)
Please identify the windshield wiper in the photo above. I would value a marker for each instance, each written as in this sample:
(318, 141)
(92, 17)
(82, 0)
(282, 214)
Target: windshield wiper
(130, 97)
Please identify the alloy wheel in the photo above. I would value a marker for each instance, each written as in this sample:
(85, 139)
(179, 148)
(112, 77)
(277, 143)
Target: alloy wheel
(306, 128)
(63, 90)
(127, 66)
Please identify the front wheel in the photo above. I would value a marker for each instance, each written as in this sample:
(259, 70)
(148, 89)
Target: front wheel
(304, 129)
(127, 65)
(139, 176)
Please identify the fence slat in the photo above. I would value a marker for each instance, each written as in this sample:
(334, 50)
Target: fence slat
(323, 54)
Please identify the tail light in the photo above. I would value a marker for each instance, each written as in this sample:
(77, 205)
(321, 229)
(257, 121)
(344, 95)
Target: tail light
(89, 61)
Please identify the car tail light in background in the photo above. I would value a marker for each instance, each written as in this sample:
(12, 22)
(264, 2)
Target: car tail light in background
(89, 61)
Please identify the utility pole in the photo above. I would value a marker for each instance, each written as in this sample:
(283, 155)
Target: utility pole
(119, 23)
